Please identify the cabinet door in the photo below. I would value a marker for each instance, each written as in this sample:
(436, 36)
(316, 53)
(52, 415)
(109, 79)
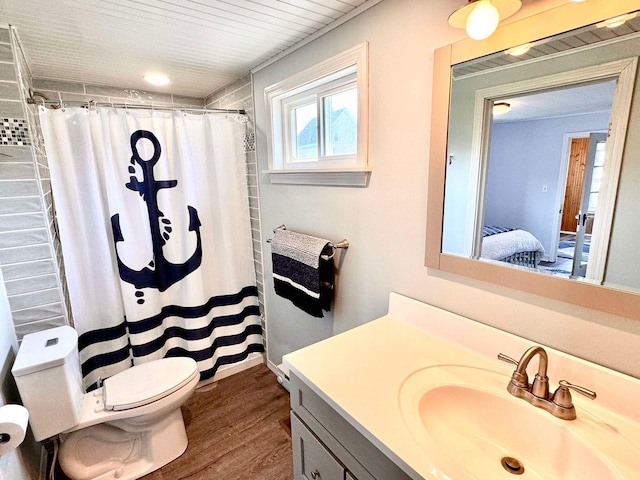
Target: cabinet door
(311, 460)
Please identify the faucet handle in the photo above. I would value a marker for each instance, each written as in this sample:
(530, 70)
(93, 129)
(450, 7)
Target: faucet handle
(520, 380)
(505, 358)
(562, 395)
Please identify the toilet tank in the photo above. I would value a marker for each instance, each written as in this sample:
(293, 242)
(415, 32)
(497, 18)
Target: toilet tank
(47, 373)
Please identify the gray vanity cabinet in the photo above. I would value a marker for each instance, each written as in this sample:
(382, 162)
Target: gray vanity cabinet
(311, 460)
(327, 447)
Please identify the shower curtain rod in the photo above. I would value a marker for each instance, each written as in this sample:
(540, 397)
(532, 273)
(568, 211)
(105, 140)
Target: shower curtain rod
(133, 106)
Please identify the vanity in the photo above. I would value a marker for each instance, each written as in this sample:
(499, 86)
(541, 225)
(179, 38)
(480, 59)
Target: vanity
(421, 394)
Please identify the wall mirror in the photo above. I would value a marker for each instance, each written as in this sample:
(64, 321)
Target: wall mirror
(529, 129)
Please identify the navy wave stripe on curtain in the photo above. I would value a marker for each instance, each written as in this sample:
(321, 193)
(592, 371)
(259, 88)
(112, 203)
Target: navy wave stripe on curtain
(240, 344)
(224, 326)
(147, 324)
(220, 360)
(226, 339)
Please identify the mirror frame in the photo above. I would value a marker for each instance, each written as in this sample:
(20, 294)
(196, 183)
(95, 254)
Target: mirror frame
(557, 20)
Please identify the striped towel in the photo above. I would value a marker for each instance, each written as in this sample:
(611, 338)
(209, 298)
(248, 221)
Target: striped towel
(299, 272)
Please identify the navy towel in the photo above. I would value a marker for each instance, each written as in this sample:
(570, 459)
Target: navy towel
(300, 273)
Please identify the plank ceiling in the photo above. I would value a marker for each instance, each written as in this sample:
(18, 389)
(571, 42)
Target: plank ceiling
(200, 44)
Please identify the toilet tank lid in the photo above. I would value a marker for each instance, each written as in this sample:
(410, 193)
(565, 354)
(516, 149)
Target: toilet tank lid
(45, 349)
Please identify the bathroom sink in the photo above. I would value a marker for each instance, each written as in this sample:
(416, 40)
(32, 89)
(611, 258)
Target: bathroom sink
(470, 427)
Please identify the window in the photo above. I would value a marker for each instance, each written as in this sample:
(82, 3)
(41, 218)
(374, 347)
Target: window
(318, 123)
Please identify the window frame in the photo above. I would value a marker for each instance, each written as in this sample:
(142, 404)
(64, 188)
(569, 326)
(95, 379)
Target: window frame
(335, 74)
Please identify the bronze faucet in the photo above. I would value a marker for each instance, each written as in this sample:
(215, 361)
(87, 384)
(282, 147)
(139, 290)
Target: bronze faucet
(537, 394)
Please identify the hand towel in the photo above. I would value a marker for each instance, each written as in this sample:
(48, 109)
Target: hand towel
(300, 273)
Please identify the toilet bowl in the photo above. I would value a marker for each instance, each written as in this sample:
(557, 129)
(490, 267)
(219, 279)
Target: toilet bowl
(123, 430)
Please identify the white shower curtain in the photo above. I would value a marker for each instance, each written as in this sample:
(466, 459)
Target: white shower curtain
(153, 214)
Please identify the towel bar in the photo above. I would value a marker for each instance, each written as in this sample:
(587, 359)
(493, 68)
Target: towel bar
(341, 244)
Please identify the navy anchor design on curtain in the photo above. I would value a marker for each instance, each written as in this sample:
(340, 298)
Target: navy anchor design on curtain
(160, 273)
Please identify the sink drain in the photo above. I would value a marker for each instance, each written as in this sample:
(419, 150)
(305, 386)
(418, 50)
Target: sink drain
(512, 465)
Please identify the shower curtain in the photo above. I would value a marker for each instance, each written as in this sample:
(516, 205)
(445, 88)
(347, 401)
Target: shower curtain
(153, 217)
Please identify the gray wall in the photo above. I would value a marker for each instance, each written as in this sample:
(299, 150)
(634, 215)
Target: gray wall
(385, 222)
(22, 463)
(517, 172)
(30, 255)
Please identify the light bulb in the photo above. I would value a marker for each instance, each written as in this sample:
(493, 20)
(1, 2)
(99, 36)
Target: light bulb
(483, 20)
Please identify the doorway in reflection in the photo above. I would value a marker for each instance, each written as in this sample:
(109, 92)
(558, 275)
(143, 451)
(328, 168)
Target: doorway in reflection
(544, 173)
(563, 265)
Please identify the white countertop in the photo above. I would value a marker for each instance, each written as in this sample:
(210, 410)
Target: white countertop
(360, 372)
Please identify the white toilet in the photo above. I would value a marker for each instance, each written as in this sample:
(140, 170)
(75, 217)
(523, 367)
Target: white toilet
(129, 427)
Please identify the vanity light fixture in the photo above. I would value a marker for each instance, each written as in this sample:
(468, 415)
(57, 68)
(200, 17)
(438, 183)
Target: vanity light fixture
(616, 21)
(501, 107)
(157, 79)
(481, 17)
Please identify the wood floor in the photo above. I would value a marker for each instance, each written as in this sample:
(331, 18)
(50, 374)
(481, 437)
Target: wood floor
(236, 432)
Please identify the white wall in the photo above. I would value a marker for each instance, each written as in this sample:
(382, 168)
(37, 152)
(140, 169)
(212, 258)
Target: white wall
(22, 463)
(385, 222)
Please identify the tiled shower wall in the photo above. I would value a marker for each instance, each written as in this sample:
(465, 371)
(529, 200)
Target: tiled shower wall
(235, 96)
(30, 255)
(84, 92)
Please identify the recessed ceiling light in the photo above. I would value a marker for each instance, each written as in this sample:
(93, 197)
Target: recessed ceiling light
(157, 79)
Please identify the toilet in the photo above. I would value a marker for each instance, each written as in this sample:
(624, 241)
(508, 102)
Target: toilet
(128, 427)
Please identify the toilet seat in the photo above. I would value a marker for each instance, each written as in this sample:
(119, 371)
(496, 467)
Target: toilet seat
(147, 382)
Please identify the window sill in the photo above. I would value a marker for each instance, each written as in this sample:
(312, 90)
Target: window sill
(356, 177)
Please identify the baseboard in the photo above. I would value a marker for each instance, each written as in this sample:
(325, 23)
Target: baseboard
(272, 366)
(227, 370)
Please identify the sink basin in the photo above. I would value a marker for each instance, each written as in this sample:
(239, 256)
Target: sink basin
(470, 427)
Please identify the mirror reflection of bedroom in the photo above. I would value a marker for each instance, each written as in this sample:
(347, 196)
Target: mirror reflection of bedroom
(535, 217)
